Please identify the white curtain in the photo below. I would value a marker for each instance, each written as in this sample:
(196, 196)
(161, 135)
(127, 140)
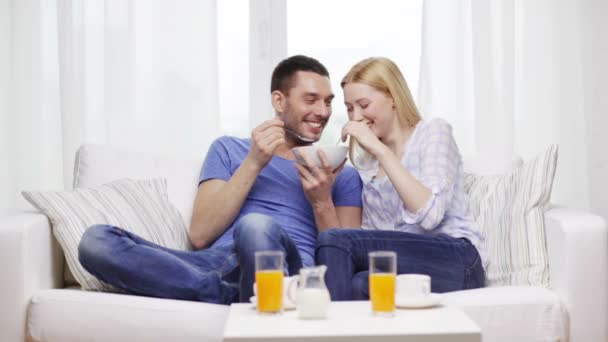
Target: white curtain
(136, 74)
(30, 121)
(514, 76)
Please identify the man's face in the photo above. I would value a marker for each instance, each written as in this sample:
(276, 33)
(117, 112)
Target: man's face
(307, 106)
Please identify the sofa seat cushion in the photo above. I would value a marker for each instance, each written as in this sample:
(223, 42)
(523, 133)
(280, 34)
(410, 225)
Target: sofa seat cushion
(74, 315)
(514, 313)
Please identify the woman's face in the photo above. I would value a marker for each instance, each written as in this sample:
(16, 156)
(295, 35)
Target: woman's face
(371, 106)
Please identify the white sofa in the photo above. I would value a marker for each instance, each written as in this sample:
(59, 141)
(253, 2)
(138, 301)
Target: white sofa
(36, 305)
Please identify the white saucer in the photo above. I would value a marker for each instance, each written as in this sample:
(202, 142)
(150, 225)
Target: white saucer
(433, 299)
(287, 305)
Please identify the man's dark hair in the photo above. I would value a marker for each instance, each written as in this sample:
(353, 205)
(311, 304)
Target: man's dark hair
(283, 74)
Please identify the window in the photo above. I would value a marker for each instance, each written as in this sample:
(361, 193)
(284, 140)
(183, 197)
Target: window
(233, 60)
(340, 34)
(337, 33)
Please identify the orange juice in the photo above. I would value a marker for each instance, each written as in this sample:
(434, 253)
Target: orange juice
(382, 292)
(270, 290)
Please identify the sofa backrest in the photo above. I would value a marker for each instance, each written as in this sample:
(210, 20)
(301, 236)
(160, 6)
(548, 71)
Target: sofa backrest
(96, 165)
(481, 166)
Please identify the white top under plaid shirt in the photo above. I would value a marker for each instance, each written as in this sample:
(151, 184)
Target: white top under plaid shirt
(433, 158)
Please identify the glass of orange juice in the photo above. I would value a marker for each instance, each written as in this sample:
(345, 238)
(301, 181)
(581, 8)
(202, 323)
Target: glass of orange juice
(269, 281)
(382, 274)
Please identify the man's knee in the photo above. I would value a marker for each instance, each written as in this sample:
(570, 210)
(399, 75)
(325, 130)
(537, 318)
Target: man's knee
(93, 244)
(253, 227)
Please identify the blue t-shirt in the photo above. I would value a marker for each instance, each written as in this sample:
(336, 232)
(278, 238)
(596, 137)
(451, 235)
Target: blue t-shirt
(277, 192)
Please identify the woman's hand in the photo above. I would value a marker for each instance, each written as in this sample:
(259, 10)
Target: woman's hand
(364, 135)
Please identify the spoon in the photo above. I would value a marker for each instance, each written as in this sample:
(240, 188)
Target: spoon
(299, 137)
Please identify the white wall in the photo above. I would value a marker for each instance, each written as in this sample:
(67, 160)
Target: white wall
(233, 69)
(595, 76)
(5, 28)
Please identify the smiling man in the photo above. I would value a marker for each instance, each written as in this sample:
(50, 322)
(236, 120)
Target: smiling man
(252, 196)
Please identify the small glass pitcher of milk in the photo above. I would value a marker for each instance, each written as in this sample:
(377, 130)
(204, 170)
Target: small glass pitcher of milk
(311, 296)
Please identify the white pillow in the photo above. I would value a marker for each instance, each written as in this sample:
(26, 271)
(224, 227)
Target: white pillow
(139, 206)
(96, 165)
(509, 209)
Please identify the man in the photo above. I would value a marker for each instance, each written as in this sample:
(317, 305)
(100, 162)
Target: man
(252, 196)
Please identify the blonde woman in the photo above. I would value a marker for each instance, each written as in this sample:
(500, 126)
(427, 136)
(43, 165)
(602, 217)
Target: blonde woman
(413, 196)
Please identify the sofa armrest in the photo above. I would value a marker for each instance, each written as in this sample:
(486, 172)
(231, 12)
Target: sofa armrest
(577, 244)
(30, 260)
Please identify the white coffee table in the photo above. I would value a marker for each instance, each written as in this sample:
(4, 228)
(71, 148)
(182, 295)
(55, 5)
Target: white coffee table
(352, 321)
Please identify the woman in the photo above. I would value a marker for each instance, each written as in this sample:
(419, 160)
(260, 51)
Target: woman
(413, 197)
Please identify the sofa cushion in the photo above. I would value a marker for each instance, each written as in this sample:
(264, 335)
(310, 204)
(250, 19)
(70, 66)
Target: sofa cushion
(514, 313)
(503, 314)
(96, 165)
(75, 315)
(509, 209)
(140, 206)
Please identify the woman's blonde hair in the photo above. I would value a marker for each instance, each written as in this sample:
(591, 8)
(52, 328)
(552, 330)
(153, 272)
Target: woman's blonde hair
(383, 75)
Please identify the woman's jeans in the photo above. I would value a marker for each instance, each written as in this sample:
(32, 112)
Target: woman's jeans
(214, 275)
(453, 264)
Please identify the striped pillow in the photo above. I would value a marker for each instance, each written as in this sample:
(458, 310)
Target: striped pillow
(139, 206)
(509, 210)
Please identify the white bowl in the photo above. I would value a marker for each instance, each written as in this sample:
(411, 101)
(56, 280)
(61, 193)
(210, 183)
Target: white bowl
(336, 154)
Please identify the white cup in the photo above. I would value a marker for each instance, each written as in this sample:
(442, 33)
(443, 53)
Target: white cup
(413, 286)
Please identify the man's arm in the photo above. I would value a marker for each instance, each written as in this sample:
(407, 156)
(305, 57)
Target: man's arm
(350, 217)
(218, 202)
(329, 216)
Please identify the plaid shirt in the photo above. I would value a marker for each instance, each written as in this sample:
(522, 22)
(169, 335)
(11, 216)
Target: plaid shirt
(433, 158)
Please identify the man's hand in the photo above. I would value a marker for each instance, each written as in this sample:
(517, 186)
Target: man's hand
(317, 182)
(264, 140)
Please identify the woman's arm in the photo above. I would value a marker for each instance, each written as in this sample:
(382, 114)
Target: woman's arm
(414, 194)
(427, 198)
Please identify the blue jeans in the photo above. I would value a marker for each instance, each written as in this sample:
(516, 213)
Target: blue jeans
(453, 264)
(214, 275)
(257, 232)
